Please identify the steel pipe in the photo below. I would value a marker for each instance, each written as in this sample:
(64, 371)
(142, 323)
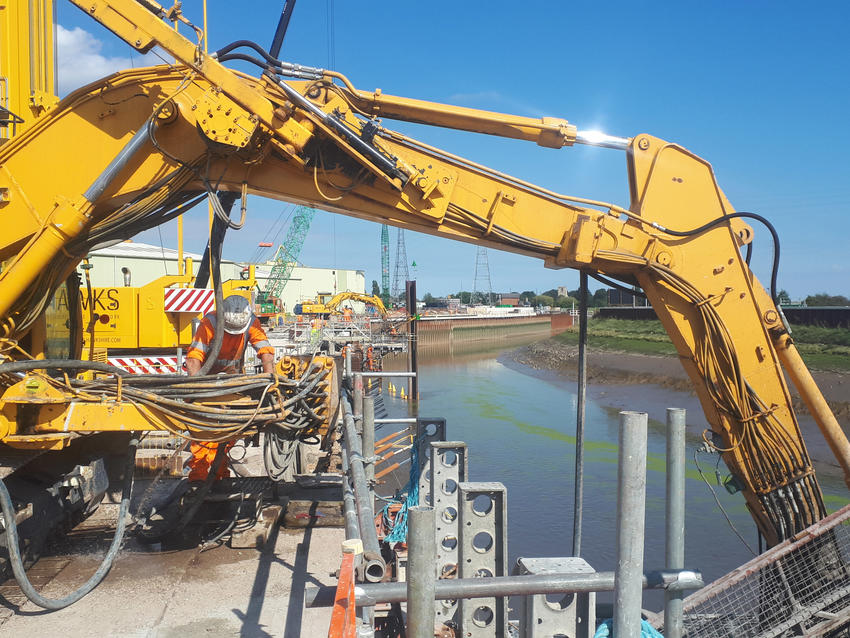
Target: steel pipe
(675, 517)
(369, 437)
(396, 420)
(457, 588)
(421, 571)
(382, 373)
(631, 502)
(349, 503)
(357, 400)
(375, 567)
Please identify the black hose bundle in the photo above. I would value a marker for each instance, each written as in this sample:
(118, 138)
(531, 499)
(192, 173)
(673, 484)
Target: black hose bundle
(15, 552)
(214, 252)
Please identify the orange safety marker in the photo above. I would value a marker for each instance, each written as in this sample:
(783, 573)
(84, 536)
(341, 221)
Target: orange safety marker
(344, 616)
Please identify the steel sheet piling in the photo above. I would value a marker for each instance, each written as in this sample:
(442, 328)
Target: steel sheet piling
(675, 515)
(421, 572)
(631, 502)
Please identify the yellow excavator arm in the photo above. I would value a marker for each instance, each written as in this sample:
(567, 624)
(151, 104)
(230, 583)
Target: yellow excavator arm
(372, 300)
(136, 148)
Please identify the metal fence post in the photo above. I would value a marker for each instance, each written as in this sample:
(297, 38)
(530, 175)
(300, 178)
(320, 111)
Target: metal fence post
(675, 532)
(421, 576)
(631, 502)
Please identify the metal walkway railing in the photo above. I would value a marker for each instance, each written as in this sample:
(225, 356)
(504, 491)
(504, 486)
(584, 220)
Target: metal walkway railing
(800, 587)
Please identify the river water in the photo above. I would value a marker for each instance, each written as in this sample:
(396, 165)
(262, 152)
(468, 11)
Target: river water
(519, 425)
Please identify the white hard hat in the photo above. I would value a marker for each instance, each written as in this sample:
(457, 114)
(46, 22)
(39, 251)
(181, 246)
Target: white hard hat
(237, 314)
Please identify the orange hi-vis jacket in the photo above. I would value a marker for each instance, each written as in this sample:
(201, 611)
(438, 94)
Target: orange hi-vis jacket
(232, 346)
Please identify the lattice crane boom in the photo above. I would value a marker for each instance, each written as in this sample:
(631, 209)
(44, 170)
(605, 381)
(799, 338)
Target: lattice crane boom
(288, 252)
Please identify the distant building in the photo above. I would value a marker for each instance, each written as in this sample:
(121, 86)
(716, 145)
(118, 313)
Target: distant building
(563, 292)
(145, 262)
(509, 299)
(622, 298)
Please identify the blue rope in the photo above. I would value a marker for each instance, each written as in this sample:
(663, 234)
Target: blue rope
(605, 630)
(398, 527)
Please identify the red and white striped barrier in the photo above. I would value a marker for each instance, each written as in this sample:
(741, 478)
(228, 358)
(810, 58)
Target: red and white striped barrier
(146, 365)
(189, 300)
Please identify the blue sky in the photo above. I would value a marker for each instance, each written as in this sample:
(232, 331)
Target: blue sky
(759, 89)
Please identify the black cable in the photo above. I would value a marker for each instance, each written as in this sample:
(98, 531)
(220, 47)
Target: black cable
(15, 551)
(774, 270)
(59, 364)
(237, 44)
(247, 58)
(215, 245)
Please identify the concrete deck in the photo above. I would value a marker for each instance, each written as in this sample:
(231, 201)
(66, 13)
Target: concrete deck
(217, 593)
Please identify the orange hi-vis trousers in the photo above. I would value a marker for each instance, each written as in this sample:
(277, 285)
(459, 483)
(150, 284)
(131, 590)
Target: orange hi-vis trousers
(203, 455)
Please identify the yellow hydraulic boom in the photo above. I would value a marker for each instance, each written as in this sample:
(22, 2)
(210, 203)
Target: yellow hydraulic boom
(170, 132)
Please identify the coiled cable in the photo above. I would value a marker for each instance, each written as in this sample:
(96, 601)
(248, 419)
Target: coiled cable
(15, 551)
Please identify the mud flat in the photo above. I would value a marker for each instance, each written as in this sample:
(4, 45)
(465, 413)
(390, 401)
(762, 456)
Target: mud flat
(626, 369)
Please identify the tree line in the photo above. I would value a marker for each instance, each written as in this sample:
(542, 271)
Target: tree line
(599, 299)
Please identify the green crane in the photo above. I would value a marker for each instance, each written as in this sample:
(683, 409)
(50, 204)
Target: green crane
(285, 259)
(385, 265)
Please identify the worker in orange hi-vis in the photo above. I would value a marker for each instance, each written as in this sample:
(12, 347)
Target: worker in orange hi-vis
(241, 327)
(346, 314)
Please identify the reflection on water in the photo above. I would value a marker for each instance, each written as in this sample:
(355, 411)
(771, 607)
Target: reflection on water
(519, 425)
(468, 349)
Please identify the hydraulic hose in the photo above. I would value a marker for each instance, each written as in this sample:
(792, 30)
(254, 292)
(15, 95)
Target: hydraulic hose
(59, 364)
(215, 244)
(774, 271)
(15, 552)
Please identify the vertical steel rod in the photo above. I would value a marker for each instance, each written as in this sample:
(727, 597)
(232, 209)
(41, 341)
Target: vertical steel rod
(412, 332)
(675, 534)
(421, 572)
(631, 502)
(369, 437)
(578, 501)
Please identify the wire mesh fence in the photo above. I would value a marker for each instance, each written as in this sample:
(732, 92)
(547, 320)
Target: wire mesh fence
(798, 588)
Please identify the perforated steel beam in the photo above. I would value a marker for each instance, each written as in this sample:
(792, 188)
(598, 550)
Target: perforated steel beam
(449, 467)
(482, 553)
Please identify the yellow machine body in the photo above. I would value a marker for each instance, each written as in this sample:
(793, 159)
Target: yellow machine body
(135, 317)
(27, 69)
